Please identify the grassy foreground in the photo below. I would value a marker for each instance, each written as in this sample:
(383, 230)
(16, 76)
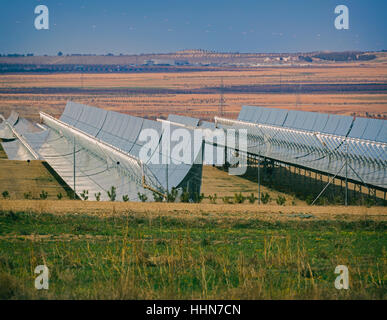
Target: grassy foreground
(179, 255)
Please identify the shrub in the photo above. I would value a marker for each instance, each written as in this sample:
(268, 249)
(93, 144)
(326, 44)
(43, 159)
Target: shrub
(10, 287)
(85, 194)
(226, 200)
(301, 196)
(112, 193)
(184, 197)
(5, 194)
(198, 197)
(158, 197)
(280, 200)
(28, 195)
(171, 196)
(70, 193)
(265, 198)
(43, 195)
(97, 196)
(59, 196)
(322, 201)
(125, 198)
(205, 242)
(338, 199)
(309, 199)
(368, 202)
(239, 198)
(213, 198)
(142, 196)
(251, 198)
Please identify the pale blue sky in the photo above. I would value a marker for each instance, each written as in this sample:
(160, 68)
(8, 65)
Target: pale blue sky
(126, 26)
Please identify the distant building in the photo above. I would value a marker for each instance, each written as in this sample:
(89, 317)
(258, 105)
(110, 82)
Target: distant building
(159, 62)
(165, 62)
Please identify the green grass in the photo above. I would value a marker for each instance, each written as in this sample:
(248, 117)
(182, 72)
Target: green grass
(135, 257)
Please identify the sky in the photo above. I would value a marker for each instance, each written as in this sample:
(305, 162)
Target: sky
(150, 26)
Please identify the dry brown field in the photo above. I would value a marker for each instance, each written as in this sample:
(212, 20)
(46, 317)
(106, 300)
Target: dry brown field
(20, 178)
(191, 211)
(128, 92)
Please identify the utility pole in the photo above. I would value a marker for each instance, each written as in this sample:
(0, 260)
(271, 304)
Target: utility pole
(346, 173)
(167, 180)
(74, 166)
(259, 170)
(280, 82)
(221, 101)
(259, 180)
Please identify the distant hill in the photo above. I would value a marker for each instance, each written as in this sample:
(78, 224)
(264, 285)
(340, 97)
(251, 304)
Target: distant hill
(190, 58)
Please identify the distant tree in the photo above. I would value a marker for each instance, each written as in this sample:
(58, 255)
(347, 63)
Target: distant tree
(60, 53)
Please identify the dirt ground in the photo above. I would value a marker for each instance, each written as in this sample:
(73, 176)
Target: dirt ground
(220, 182)
(21, 177)
(191, 211)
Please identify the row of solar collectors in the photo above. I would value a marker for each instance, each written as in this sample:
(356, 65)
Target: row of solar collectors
(93, 173)
(13, 118)
(189, 121)
(327, 155)
(5, 131)
(12, 146)
(368, 173)
(273, 146)
(360, 150)
(361, 128)
(123, 131)
(129, 165)
(306, 142)
(325, 144)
